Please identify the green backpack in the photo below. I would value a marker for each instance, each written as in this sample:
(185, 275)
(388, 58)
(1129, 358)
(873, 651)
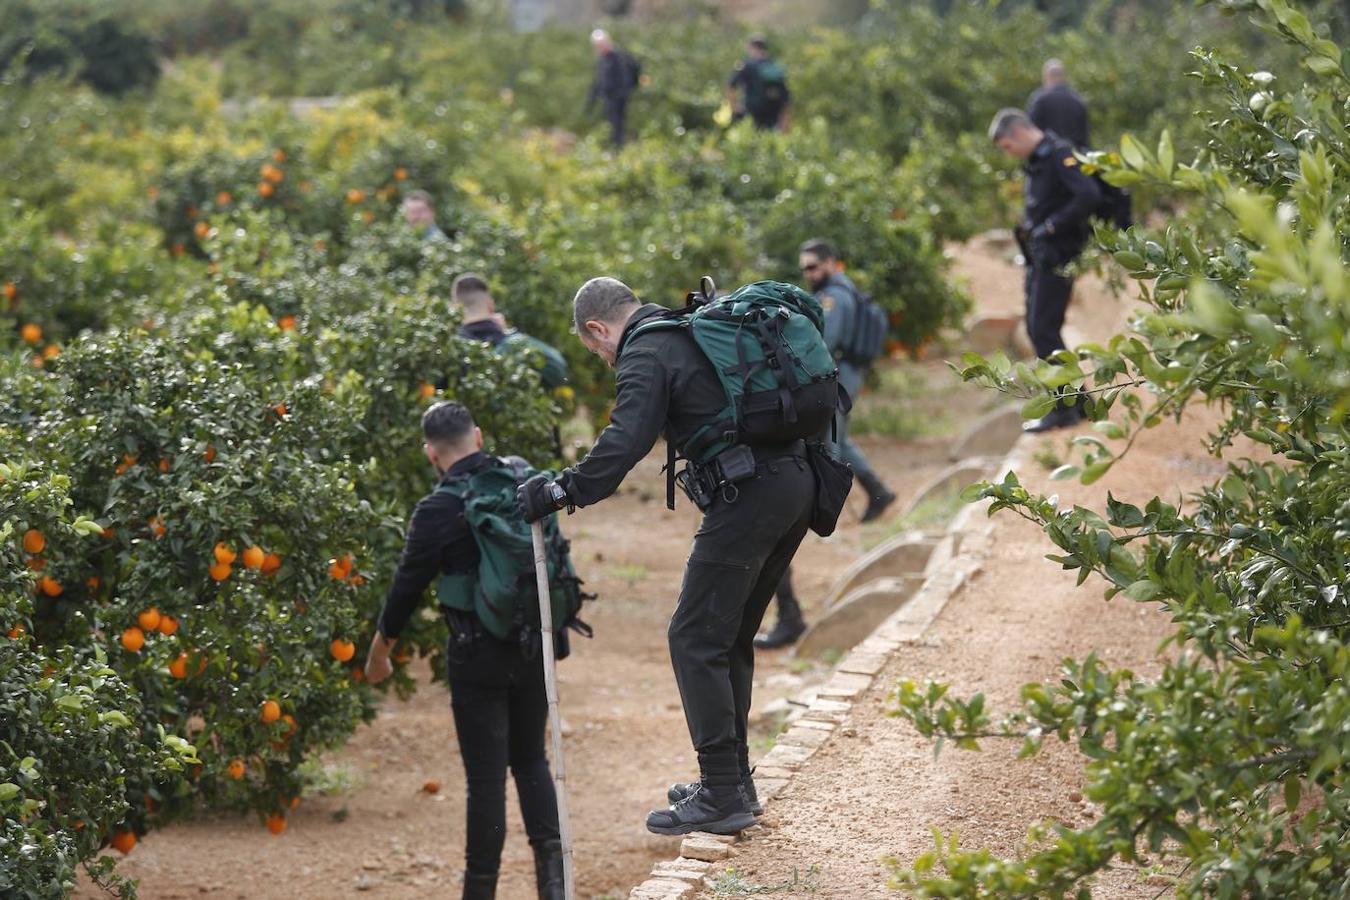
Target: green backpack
(766, 341)
(503, 592)
(552, 368)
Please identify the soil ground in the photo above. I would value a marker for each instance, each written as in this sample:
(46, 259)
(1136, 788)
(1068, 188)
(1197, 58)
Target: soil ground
(374, 830)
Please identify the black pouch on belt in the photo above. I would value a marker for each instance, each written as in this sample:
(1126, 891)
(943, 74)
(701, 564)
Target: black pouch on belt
(834, 479)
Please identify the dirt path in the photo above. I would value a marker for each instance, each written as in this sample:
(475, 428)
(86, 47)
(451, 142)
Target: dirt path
(876, 791)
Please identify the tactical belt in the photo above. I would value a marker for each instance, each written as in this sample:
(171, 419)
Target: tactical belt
(703, 483)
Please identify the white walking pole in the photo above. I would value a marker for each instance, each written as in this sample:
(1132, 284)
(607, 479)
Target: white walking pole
(554, 716)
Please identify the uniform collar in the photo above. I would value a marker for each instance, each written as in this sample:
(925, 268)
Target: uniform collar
(468, 465)
(644, 312)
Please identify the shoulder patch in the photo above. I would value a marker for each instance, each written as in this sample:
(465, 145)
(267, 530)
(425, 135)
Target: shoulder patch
(827, 302)
(1070, 161)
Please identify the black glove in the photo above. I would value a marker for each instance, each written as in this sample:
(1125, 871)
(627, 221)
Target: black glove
(540, 496)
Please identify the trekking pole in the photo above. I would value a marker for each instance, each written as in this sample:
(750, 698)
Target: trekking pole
(554, 716)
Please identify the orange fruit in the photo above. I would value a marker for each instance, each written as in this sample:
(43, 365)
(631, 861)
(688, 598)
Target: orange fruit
(210, 453)
(432, 787)
(11, 290)
(133, 639)
(34, 541)
(279, 155)
(124, 841)
(358, 675)
(178, 249)
(276, 823)
(201, 230)
(149, 620)
(223, 553)
(426, 391)
(157, 526)
(50, 586)
(92, 583)
(178, 668)
(357, 580)
(51, 351)
(280, 410)
(31, 333)
(286, 323)
(290, 720)
(254, 557)
(164, 465)
(295, 801)
(168, 625)
(36, 563)
(235, 769)
(265, 189)
(271, 562)
(400, 174)
(271, 711)
(223, 198)
(16, 632)
(220, 571)
(342, 650)
(355, 195)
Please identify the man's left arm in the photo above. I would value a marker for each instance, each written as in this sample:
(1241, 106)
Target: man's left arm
(838, 317)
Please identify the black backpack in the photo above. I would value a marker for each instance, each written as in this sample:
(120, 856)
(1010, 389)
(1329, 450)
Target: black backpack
(867, 339)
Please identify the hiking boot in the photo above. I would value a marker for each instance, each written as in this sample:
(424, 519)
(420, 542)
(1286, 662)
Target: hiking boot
(548, 871)
(786, 631)
(479, 887)
(682, 789)
(1059, 417)
(877, 504)
(704, 810)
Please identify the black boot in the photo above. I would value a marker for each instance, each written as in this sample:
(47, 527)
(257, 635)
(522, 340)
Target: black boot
(1059, 417)
(790, 625)
(548, 870)
(479, 887)
(682, 789)
(719, 810)
(878, 496)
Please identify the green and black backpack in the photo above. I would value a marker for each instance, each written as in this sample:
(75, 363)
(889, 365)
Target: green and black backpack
(503, 593)
(766, 341)
(551, 365)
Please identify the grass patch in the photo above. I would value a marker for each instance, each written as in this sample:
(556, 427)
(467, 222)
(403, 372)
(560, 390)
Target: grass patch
(902, 402)
(934, 512)
(328, 780)
(629, 572)
(730, 883)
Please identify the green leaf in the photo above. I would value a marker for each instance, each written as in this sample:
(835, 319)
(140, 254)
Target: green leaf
(1039, 406)
(8, 791)
(1292, 792)
(1143, 590)
(71, 702)
(1132, 153)
(1095, 471)
(115, 717)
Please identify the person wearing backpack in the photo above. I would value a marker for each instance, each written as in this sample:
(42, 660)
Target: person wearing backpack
(736, 383)
(483, 323)
(1060, 200)
(855, 331)
(468, 537)
(758, 88)
(617, 74)
(1055, 106)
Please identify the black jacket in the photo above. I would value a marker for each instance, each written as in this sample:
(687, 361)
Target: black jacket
(485, 330)
(615, 77)
(1061, 110)
(438, 543)
(665, 386)
(1059, 197)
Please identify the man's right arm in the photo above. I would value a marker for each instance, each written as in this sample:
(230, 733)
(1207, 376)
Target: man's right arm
(641, 402)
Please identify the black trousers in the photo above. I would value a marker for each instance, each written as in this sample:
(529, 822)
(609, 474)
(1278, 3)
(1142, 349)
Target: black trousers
(501, 711)
(616, 112)
(1047, 298)
(739, 556)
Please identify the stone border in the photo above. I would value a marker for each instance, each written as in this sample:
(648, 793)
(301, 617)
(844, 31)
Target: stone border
(970, 536)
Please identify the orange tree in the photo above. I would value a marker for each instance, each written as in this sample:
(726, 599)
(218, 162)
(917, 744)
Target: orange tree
(232, 558)
(73, 758)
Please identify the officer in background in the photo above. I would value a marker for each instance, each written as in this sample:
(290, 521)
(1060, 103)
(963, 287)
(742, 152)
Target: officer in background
(483, 323)
(616, 78)
(1058, 108)
(1060, 199)
(419, 211)
(841, 299)
(496, 687)
(739, 555)
(758, 88)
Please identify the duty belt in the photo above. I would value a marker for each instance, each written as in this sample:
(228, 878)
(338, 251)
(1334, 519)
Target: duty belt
(703, 483)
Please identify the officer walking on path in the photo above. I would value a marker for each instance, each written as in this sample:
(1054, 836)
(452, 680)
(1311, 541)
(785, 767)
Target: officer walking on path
(846, 310)
(758, 88)
(495, 667)
(758, 503)
(616, 78)
(1058, 108)
(1060, 199)
(483, 323)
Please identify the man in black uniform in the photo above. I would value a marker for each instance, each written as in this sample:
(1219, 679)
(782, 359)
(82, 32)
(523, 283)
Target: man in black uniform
(742, 549)
(761, 82)
(616, 77)
(1057, 107)
(483, 323)
(1060, 199)
(496, 687)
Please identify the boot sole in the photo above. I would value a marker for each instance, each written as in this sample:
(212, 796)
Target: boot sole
(732, 824)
